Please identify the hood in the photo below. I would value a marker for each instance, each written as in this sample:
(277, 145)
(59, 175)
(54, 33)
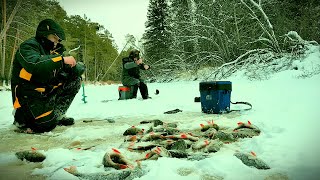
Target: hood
(48, 26)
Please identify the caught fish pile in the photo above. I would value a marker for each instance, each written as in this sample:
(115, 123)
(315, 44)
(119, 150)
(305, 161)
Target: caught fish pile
(117, 166)
(163, 140)
(166, 140)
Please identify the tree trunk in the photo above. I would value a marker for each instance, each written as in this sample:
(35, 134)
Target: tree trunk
(3, 45)
(6, 25)
(13, 53)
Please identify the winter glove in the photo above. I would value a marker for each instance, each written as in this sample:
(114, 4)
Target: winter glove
(72, 72)
(59, 49)
(147, 68)
(79, 69)
(143, 66)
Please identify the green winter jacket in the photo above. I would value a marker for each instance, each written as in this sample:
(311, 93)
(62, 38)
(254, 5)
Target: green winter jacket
(131, 72)
(35, 69)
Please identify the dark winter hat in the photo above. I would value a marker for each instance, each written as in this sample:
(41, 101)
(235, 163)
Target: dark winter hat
(48, 26)
(134, 54)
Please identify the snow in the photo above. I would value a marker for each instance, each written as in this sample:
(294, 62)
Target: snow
(285, 108)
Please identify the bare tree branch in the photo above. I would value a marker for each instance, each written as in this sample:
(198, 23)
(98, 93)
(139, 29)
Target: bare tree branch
(233, 64)
(8, 23)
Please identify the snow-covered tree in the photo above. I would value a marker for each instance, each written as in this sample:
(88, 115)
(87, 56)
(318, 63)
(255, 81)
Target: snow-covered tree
(157, 37)
(183, 30)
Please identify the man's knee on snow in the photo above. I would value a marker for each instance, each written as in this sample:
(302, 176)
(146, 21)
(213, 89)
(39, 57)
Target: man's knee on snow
(32, 118)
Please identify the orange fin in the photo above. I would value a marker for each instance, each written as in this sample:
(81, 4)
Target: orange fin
(122, 166)
(253, 153)
(116, 151)
(159, 148)
(156, 151)
(206, 142)
(131, 144)
(134, 138)
(184, 136)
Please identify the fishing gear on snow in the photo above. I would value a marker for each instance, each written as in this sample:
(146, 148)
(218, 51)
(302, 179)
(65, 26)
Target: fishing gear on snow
(215, 97)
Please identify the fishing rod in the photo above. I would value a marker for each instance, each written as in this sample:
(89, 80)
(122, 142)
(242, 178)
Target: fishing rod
(82, 84)
(74, 49)
(114, 60)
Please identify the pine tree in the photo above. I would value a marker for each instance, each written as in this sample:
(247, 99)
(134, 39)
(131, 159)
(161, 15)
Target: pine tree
(157, 38)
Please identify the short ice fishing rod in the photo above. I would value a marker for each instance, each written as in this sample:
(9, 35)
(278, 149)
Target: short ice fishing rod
(81, 68)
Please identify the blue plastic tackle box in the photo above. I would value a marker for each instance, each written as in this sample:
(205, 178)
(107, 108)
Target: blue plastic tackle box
(215, 96)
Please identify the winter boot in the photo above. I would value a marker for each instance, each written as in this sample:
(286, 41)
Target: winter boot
(144, 90)
(65, 121)
(134, 91)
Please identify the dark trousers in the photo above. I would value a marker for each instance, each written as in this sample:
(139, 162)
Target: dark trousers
(39, 112)
(143, 90)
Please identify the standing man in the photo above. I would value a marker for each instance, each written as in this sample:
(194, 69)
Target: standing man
(44, 82)
(131, 74)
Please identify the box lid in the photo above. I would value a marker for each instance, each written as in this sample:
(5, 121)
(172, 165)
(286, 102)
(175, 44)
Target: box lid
(215, 85)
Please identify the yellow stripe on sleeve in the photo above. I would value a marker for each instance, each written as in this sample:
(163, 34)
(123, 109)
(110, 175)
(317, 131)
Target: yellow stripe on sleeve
(56, 59)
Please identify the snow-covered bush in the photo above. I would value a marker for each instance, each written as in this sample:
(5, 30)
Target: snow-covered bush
(260, 64)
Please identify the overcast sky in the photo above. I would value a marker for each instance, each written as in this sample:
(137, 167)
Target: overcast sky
(119, 17)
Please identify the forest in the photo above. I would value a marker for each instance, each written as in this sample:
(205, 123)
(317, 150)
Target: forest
(181, 36)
